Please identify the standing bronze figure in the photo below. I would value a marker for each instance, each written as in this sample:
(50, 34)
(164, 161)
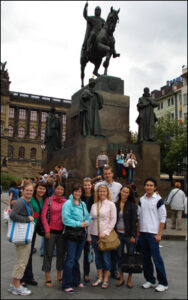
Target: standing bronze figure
(147, 118)
(53, 132)
(99, 41)
(90, 104)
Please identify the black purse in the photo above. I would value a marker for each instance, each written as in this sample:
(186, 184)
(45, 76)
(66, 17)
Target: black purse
(39, 228)
(75, 234)
(131, 263)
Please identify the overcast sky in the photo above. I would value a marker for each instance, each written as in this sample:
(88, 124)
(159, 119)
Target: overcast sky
(41, 42)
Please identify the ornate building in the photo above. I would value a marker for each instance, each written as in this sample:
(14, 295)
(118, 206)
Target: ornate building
(23, 121)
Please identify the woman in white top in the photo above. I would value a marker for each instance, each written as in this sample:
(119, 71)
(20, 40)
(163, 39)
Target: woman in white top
(132, 162)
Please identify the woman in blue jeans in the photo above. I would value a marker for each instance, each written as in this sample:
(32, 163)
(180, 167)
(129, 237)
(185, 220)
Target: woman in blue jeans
(74, 214)
(126, 227)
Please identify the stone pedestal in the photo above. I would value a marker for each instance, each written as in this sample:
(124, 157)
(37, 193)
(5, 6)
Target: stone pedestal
(114, 116)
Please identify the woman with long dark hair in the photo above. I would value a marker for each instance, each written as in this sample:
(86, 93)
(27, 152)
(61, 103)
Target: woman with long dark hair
(37, 200)
(126, 226)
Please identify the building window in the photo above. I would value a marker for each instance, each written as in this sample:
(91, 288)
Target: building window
(42, 134)
(10, 131)
(44, 116)
(10, 151)
(11, 112)
(185, 116)
(1, 128)
(21, 153)
(168, 102)
(185, 99)
(161, 105)
(32, 133)
(2, 108)
(172, 116)
(180, 114)
(21, 132)
(22, 114)
(64, 119)
(33, 115)
(33, 153)
(172, 101)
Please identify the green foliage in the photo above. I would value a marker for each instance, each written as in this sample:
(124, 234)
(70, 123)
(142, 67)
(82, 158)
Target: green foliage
(6, 180)
(134, 137)
(172, 137)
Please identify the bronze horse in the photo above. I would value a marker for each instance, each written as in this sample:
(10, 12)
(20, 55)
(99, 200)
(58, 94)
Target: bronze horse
(104, 45)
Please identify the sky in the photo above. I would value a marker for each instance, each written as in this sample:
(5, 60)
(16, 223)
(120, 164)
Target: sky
(41, 42)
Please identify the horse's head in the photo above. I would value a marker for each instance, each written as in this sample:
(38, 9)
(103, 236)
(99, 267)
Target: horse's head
(112, 19)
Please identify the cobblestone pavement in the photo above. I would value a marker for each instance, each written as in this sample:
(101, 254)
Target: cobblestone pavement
(174, 254)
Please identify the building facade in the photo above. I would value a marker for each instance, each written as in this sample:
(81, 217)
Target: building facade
(172, 98)
(23, 122)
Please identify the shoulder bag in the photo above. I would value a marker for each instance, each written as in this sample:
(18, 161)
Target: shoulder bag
(39, 226)
(109, 242)
(75, 234)
(20, 233)
(132, 263)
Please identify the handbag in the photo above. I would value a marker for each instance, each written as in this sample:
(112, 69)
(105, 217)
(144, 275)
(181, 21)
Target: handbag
(20, 233)
(126, 164)
(109, 242)
(39, 226)
(75, 234)
(131, 263)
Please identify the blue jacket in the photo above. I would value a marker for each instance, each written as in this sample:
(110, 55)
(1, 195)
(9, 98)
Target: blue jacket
(72, 215)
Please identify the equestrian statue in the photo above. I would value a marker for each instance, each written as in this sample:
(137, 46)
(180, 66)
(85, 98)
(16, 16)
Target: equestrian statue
(99, 41)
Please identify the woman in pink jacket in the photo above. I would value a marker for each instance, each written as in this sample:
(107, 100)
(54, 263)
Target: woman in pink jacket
(53, 233)
(107, 221)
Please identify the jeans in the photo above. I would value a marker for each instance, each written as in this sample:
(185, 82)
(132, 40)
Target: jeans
(150, 248)
(86, 262)
(119, 170)
(71, 270)
(100, 171)
(57, 239)
(28, 274)
(124, 240)
(102, 258)
(42, 247)
(131, 172)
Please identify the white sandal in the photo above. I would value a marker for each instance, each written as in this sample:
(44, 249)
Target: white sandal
(96, 283)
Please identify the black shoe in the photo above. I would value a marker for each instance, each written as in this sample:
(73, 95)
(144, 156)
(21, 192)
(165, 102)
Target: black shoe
(34, 250)
(115, 275)
(32, 282)
(41, 255)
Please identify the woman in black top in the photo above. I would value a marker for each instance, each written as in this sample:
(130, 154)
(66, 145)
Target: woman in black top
(88, 198)
(126, 226)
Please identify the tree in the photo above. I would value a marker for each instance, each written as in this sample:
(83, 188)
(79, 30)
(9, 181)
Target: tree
(172, 137)
(134, 137)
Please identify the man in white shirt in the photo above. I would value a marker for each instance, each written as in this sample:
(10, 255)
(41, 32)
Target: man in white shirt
(101, 161)
(114, 188)
(151, 221)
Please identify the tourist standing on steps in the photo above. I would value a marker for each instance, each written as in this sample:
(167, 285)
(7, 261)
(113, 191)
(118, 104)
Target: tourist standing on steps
(119, 163)
(176, 200)
(53, 234)
(132, 162)
(107, 221)
(126, 227)
(101, 161)
(87, 197)
(114, 188)
(13, 193)
(39, 195)
(151, 221)
(19, 214)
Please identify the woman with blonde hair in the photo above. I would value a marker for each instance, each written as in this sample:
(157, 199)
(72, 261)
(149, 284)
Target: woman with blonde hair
(104, 209)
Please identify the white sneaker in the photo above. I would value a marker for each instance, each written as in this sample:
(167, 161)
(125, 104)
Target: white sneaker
(148, 285)
(161, 288)
(21, 291)
(10, 288)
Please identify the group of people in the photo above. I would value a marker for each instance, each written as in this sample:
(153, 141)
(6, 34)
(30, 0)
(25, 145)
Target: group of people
(97, 209)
